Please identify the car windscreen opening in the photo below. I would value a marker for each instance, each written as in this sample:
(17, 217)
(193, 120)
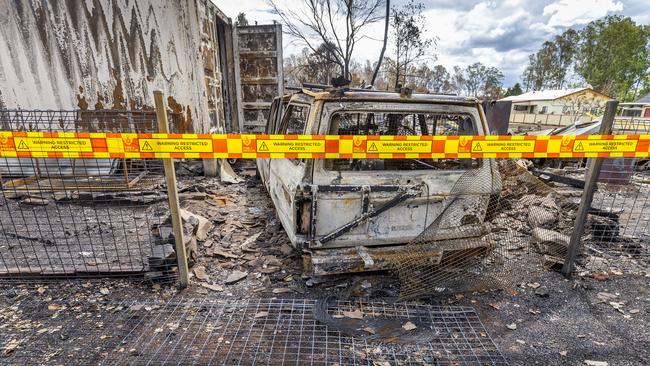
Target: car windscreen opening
(401, 124)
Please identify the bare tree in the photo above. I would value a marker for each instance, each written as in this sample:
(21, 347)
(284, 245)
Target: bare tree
(338, 24)
(383, 47)
(410, 44)
(310, 66)
(579, 105)
(458, 79)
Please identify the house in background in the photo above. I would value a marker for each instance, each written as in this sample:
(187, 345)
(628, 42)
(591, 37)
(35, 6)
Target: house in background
(564, 101)
(638, 108)
(553, 108)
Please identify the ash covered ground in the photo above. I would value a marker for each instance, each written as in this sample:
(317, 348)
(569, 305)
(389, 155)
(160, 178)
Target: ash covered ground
(601, 316)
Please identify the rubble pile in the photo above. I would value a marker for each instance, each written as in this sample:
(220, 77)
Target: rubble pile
(234, 240)
(541, 205)
(532, 218)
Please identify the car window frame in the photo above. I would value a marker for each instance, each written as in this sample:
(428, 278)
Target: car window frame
(329, 109)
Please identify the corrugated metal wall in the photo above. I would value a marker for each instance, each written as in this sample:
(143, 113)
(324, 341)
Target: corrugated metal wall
(111, 54)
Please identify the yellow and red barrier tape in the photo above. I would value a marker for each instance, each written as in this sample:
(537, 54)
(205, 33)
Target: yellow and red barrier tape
(150, 146)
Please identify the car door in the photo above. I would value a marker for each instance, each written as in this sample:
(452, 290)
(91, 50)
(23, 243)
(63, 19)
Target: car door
(285, 175)
(272, 124)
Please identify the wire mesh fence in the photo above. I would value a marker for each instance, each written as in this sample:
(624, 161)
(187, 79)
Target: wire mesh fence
(619, 239)
(502, 222)
(252, 332)
(501, 229)
(82, 217)
(492, 231)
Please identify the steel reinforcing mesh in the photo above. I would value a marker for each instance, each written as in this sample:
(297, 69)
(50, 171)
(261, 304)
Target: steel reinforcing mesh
(245, 332)
(81, 217)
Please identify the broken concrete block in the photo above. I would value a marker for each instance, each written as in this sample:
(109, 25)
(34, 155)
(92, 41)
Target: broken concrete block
(227, 174)
(235, 276)
(222, 253)
(166, 232)
(551, 242)
(162, 255)
(35, 201)
(200, 273)
(217, 288)
(246, 245)
(65, 195)
(539, 216)
(202, 226)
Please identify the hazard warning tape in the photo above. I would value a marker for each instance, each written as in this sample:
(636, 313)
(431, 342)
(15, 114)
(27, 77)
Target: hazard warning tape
(148, 146)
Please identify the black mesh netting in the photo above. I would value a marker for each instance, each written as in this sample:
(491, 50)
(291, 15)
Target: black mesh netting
(499, 225)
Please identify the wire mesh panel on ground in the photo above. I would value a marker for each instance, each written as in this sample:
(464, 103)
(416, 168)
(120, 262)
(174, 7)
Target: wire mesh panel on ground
(619, 238)
(82, 217)
(252, 332)
(498, 227)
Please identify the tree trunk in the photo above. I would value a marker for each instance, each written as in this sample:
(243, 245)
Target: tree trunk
(396, 75)
(383, 48)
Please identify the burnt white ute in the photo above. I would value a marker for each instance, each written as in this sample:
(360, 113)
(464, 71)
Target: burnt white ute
(353, 215)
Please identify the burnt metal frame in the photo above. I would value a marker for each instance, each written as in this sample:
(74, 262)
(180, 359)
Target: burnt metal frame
(309, 192)
(591, 182)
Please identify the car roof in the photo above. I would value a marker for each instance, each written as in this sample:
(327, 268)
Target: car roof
(377, 96)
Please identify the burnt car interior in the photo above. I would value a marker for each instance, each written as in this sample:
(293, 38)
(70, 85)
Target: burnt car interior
(400, 124)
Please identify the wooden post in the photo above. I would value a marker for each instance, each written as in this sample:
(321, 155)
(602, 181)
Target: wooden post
(593, 171)
(172, 194)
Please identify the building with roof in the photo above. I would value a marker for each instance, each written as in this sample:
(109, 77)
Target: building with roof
(638, 108)
(576, 101)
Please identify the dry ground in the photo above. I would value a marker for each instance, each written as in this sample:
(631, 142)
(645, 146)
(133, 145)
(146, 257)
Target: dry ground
(547, 320)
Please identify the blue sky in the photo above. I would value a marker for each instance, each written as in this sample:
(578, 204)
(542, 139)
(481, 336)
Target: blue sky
(496, 33)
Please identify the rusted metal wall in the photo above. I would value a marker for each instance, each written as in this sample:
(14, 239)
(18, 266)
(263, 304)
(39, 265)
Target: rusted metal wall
(259, 67)
(112, 54)
(212, 65)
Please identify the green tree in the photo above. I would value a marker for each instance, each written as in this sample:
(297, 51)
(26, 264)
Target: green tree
(473, 78)
(613, 56)
(548, 67)
(564, 56)
(440, 80)
(477, 80)
(514, 90)
(492, 82)
(458, 80)
(483, 82)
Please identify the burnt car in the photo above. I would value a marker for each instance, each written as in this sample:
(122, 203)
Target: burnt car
(353, 215)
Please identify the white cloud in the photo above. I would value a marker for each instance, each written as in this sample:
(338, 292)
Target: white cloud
(567, 13)
(256, 10)
(499, 33)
